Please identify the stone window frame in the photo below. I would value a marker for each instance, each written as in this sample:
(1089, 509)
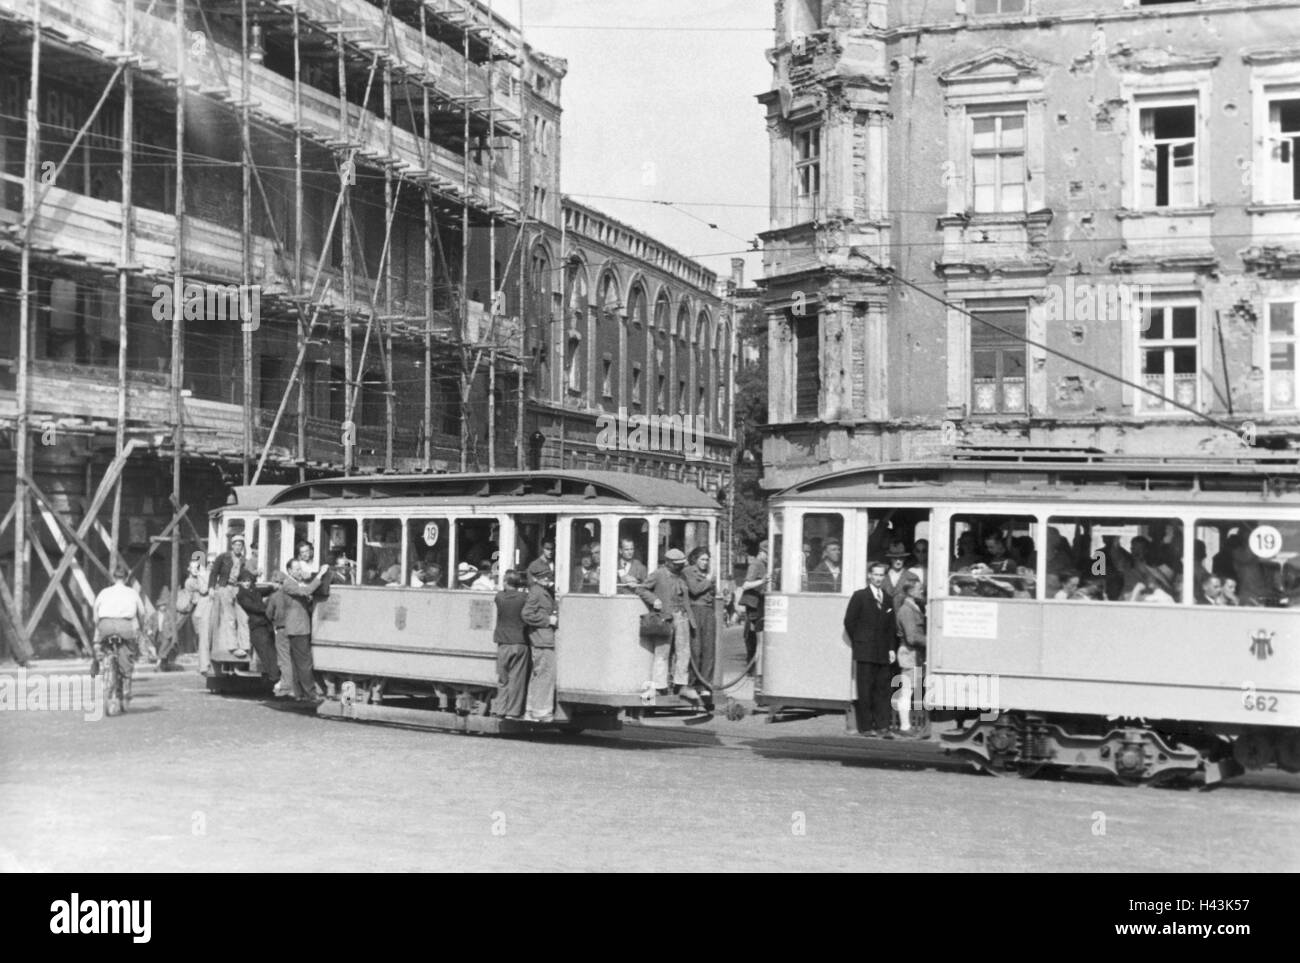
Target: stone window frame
(1146, 104)
(1176, 298)
(1274, 76)
(1167, 87)
(1031, 297)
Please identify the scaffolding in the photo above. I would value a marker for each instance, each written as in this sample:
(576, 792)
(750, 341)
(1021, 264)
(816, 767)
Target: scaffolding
(397, 59)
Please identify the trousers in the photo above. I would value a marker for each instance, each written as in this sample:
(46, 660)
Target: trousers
(541, 686)
(704, 645)
(513, 665)
(678, 646)
(284, 656)
(304, 672)
(872, 710)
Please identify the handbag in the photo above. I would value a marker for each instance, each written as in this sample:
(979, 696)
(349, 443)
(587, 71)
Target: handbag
(751, 599)
(184, 601)
(655, 627)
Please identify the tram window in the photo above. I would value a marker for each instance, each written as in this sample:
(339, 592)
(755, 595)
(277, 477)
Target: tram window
(633, 548)
(1109, 559)
(822, 553)
(995, 556)
(584, 537)
(274, 553)
(477, 550)
(899, 538)
(1245, 562)
(426, 552)
(339, 541)
(381, 552)
(682, 534)
(533, 535)
(775, 560)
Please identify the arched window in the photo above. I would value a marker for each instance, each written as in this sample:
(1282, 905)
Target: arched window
(722, 367)
(608, 387)
(663, 350)
(702, 368)
(683, 361)
(576, 333)
(541, 337)
(638, 333)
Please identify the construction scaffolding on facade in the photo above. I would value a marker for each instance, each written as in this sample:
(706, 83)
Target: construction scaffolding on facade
(152, 327)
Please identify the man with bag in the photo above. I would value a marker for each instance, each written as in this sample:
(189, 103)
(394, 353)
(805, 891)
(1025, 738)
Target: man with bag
(666, 592)
(540, 616)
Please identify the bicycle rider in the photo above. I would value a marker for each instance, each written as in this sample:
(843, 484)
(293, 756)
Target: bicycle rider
(119, 611)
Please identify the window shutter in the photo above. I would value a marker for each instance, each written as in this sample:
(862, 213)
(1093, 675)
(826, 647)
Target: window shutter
(1147, 161)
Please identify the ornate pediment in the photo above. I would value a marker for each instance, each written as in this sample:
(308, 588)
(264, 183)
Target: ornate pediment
(997, 64)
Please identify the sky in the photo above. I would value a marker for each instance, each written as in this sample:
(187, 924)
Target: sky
(659, 105)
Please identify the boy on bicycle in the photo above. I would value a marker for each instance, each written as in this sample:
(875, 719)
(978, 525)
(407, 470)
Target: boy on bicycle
(119, 611)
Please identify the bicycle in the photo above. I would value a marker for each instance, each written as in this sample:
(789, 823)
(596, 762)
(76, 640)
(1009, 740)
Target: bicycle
(117, 681)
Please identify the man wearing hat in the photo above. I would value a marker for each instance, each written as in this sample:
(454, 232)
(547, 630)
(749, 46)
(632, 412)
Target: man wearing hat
(666, 592)
(897, 573)
(540, 615)
(226, 569)
(229, 621)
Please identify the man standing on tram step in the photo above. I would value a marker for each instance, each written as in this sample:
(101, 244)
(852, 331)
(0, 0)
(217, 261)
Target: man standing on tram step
(540, 616)
(297, 625)
(752, 591)
(261, 635)
(666, 592)
(869, 623)
(277, 610)
(702, 586)
(511, 638)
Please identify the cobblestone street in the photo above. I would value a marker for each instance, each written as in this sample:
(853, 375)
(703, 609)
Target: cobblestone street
(188, 780)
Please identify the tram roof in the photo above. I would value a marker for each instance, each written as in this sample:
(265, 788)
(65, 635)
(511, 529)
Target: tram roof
(1275, 475)
(562, 487)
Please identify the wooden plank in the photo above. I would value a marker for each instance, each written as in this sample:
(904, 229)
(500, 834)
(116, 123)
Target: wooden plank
(62, 593)
(105, 486)
(21, 646)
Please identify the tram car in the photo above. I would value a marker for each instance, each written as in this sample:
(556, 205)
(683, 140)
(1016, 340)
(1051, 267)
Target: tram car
(1135, 616)
(401, 636)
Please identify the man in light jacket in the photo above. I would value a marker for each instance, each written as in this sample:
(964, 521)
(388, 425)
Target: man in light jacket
(541, 617)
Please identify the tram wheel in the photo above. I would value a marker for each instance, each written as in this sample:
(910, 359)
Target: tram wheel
(1254, 750)
(1287, 749)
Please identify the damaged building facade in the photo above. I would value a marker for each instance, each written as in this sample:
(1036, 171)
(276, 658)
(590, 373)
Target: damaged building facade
(1031, 224)
(264, 241)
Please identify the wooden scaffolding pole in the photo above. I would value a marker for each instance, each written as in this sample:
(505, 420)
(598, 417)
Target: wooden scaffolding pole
(298, 247)
(390, 398)
(349, 177)
(464, 253)
(246, 243)
(125, 252)
(525, 192)
(22, 434)
(178, 300)
(428, 265)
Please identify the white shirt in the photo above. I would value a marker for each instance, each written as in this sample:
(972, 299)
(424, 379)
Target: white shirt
(118, 602)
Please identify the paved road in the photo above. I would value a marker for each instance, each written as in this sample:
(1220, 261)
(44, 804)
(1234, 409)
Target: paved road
(193, 781)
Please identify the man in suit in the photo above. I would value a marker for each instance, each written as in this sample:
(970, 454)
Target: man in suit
(869, 623)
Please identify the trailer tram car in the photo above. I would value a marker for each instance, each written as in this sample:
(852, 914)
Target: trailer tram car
(1132, 669)
(403, 631)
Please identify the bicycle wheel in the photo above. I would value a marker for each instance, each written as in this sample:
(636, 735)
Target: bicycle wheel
(110, 675)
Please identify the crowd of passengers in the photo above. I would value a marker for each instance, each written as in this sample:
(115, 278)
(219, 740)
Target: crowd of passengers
(1149, 570)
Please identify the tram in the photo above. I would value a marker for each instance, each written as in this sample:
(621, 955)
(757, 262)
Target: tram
(401, 638)
(1076, 600)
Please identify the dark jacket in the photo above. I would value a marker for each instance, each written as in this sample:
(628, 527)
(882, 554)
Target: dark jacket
(870, 627)
(253, 602)
(510, 628)
(223, 570)
(668, 587)
(536, 614)
(702, 586)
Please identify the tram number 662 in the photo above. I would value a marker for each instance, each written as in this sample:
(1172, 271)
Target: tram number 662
(1259, 703)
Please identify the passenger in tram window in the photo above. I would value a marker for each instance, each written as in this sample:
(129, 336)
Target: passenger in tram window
(806, 567)
(513, 656)
(666, 592)
(1091, 591)
(869, 624)
(476, 549)
(1025, 585)
(1069, 586)
(1157, 585)
(1023, 552)
(542, 618)
(1200, 554)
(910, 626)
(996, 556)
(920, 565)
(466, 575)
(586, 577)
(897, 558)
(1229, 592)
(1223, 565)
(342, 569)
(1060, 557)
(826, 576)
(967, 553)
(1118, 562)
(631, 570)
(1210, 590)
(1254, 586)
(485, 582)
(701, 586)
(429, 574)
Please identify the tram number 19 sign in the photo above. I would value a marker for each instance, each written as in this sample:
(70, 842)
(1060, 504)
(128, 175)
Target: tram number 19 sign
(431, 534)
(1265, 541)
